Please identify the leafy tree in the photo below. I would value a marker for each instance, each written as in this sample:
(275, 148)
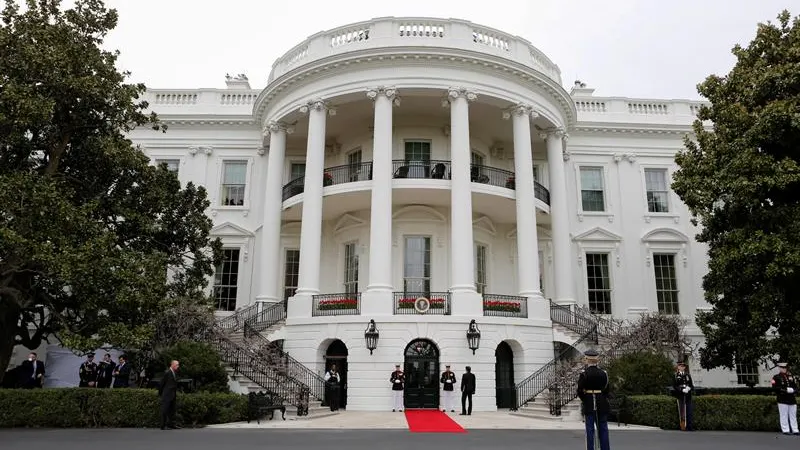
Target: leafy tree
(741, 180)
(88, 230)
(643, 372)
(200, 362)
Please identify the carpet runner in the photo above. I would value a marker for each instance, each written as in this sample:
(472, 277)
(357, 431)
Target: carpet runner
(431, 421)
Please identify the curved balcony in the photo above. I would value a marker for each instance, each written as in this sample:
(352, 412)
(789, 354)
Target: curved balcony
(427, 170)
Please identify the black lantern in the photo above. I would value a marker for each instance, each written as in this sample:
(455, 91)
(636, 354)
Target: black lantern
(371, 336)
(473, 336)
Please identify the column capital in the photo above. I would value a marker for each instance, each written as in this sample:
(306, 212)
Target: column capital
(520, 109)
(456, 92)
(389, 92)
(275, 126)
(554, 133)
(317, 104)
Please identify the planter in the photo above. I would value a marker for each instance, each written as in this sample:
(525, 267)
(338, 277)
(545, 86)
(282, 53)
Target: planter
(408, 303)
(337, 303)
(513, 307)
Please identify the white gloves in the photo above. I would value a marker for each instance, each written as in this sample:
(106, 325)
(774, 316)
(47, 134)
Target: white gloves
(448, 381)
(686, 390)
(396, 381)
(790, 390)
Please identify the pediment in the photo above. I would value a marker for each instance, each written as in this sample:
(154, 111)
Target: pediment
(346, 222)
(418, 213)
(665, 235)
(230, 229)
(485, 224)
(598, 234)
(290, 229)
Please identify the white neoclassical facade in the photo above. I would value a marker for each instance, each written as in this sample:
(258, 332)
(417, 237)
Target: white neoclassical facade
(401, 158)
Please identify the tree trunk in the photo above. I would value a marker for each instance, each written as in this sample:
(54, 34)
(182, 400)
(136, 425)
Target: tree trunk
(8, 335)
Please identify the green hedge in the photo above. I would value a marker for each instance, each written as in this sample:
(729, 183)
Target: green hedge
(711, 412)
(115, 408)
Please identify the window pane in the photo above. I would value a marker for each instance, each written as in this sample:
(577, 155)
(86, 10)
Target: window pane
(173, 165)
(417, 151)
(297, 170)
(416, 267)
(480, 268)
(591, 178)
(350, 269)
(666, 283)
(235, 172)
(226, 280)
(291, 272)
(598, 282)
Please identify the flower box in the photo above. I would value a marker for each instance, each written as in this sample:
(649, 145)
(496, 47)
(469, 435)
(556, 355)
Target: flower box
(494, 305)
(337, 303)
(511, 183)
(327, 179)
(408, 303)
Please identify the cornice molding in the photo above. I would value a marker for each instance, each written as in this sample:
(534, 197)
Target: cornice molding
(631, 129)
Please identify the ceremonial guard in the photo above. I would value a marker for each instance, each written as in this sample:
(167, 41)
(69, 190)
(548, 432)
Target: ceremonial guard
(785, 386)
(105, 372)
(398, 380)
(593, 392)
(88, 372)
(449, 381)
(333, 382)
(682, 386)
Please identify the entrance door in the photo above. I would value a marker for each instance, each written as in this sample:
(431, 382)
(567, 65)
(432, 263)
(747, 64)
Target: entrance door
(504, 375)
(337, 354)
(422, 375)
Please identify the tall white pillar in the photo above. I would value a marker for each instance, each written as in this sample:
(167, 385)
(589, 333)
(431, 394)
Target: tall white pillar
(527, 240)
(564, 288)
(270, 253)
(462, 258)
(311, 225)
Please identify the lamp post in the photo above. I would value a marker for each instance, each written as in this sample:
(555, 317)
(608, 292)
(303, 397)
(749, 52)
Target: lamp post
(473, 336)
(371, 336)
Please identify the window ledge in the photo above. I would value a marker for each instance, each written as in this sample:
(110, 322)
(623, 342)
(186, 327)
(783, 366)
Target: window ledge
(606, 214)
(245, 209)
(649, 216)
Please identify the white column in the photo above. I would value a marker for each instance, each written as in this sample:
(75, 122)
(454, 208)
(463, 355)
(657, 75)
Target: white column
(462, 258)
(564, 288)
(527, 240)
(311, 225)
(270, 252)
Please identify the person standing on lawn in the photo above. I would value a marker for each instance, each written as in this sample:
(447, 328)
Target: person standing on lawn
(168, 391)
(785, 386)
(449, 381)
(593, 392)
(682, 386)
(398, 379)
(88, 372)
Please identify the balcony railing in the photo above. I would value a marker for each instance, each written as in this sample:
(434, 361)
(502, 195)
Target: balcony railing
(431, 169)
(430, 303)
(505, 306)
(337, 304)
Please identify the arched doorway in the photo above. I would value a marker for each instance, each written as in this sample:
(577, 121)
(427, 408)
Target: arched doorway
(422, 375)
(337, 354)
(504, 375)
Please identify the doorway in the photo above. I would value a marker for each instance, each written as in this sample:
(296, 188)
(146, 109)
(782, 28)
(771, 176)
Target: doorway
(422, 375)
(337, 354)
(504, 376)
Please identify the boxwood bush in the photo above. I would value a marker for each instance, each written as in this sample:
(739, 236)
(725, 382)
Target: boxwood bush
(711, 412)
(115, 408)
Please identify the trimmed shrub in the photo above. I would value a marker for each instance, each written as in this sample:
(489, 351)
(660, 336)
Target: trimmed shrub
(114, 408)
(640, 373)
(711, 412)
(200, 362)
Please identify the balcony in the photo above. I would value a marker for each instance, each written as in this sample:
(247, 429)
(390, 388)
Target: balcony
(429, 303)
(427, 170)
(345, 304)
(505, 306)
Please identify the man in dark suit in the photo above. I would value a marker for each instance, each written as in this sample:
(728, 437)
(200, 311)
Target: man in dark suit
(467, 390)
(122, 374)
(31, 372)
(168, 391)
(105, 372)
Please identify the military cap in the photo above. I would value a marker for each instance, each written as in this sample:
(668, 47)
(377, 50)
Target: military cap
(397, 365)
(783, 365)
(90, 354)
(681, 362)
(591, 353)
(447, 365)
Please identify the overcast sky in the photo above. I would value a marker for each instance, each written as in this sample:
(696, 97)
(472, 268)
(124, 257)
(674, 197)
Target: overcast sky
(630, 48)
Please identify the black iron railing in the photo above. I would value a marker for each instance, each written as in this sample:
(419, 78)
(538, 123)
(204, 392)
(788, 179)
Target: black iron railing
(269, 315)
(491, 176)
(432, 303)
(235, 322)
(346, 304)
(293, 187)
(495, 305)
(428, 169)
(572, 320)
(541, 192)
(348, 173)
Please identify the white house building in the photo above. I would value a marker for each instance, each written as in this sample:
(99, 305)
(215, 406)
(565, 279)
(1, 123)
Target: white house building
(405, 158)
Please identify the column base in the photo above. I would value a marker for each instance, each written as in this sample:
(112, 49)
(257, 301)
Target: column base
(299, 307)
(466, 303)
(377, 303)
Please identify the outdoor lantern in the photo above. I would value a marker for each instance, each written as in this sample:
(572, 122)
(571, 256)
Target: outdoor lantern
(371, 336)
(473, 336)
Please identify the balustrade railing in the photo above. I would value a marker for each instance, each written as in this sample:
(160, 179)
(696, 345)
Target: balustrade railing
(269, 315)
(431, 303)
(346, 304)
(492, 176)
(495, 305)
(427, 169)
(572, 320)
(236, 321)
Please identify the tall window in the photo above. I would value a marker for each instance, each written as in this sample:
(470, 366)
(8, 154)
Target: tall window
(226, 280)
(291, 272)
(350, 269)
(592, 198)
(598, 281)
(480, 268)
(476, 159)
(666, 283)
(417, 265)
(541, 274)
(657, 192)
(234, 180)
(354, 165)
(417, 151)
(173, 165)
(297, 170)
(746, 373)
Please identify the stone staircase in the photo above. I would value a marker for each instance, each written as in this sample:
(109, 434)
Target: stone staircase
(539, 409)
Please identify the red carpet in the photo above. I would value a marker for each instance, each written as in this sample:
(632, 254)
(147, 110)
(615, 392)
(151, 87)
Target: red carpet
(431, 421)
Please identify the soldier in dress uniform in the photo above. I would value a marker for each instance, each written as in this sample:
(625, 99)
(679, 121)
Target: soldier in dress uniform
(593, 392)
(88, 372)
(682, 386)
(449, 381)
(785, 385)
(397, 379)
